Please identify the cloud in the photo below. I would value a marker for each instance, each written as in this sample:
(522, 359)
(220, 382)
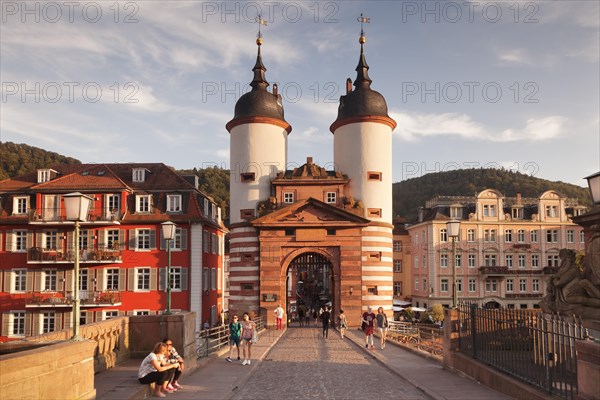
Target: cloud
(514, 56)
(412, 126)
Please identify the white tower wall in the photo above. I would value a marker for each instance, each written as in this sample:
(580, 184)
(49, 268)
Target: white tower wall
(360, 148)
(260, 148)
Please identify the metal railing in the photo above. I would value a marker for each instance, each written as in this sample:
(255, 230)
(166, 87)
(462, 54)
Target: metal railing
(209, 341)
(88, 298)
(94, 254)
(54, 215)
(533, 347)
(425, 338)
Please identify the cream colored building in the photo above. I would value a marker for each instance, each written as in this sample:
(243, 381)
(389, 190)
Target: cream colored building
(402, 261)
(507, 247)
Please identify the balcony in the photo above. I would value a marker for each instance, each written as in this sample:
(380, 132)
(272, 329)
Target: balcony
(523, 295)
(57, 217)
(88, 298)
(496, 270)
(95, 255)
(500, 271)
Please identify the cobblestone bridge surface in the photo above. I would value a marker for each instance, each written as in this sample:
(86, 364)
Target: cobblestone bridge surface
(303, 365)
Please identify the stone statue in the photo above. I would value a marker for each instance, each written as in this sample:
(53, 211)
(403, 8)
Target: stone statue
(574, 292)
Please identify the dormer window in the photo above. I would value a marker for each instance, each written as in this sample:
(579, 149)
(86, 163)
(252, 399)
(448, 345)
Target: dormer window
(551, 211)
(139, 175)
(489, 210)
(45, 175)
(142, 203)
(517, 213)
(288, 197)
(455, 212)
(174, 203)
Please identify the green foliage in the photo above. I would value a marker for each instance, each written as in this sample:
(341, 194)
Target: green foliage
(411, 194)
(19, 159)
(215, 183)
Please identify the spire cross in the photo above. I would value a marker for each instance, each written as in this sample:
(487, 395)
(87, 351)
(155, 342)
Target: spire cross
(363, 20)
(260, 22)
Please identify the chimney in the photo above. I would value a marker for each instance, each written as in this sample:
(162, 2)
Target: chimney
(348, 85)
(518, 199)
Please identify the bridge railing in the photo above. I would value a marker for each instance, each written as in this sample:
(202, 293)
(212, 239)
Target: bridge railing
(209, 341)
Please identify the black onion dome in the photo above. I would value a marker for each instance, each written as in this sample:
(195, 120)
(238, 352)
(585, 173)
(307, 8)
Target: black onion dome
(258, 102)
(362, 101)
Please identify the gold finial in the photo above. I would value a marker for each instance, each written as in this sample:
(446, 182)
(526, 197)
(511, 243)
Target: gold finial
(260, 22)
(363, 20)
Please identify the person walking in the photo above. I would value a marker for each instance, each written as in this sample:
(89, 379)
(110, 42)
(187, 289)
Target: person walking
(279, 316)
(235, 335)
(382, 325)
(248, 332)
(301, 315)
(368, 320)
(343, 323)
(325, 317)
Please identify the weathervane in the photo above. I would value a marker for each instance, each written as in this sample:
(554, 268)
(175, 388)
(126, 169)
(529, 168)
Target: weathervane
(260, 22)
(363, 20)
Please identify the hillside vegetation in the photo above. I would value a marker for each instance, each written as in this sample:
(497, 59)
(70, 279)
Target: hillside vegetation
(408, 196)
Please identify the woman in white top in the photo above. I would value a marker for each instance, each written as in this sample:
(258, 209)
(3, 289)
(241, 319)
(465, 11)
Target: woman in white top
(152, 370)
(248, 328)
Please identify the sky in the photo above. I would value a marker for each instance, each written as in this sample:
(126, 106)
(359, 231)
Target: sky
(470, 84)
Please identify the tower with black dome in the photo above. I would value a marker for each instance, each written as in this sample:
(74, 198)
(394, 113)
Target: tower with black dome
(258, 151)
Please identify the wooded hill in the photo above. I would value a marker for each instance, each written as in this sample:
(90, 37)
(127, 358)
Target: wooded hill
(408, 195)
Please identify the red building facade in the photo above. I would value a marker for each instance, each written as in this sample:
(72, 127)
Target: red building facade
(123, 257)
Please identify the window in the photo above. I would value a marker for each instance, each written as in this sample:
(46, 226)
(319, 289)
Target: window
(213, 278)
(397, 245)
(521, 261)
(374, 212)
(397, 288)
(142, 203)
(490, 260)
(416, 262)
(331, 232)
(508, 235)
(18, 323)
(20, 280)
(173, 203)
(246, 286)
(424, 284)
(521, 236)
(491, 285)
(44, 175)
(551, 211)
(552, 236)
(112, 204)
(247, 176)
(372, 290)
(290, 231)
(553, 260)
(214, 243)
(534, 236)
(417, 284)
(443, 235)
(142, 278)
(472, 285)
(522, 285)
(424, 262)
(143, 239)
(83, 279)
(50, 279)
(110, 314)
(509, 285)
(179, 242)
(20, 205)
(331, 197)
(489, 210)
(139, 175)
(471, 260)
(397, 265)
(535, 285)
(517, 213)
(508, 260)
(48, 322)
(176, 282)
(247, 214)
(112, 238)
(288, 197)
(83, 239)
(489, 235)
(570, 236)
(141, 312)
(444, 285)
(470, 235)
(459, 285)
(535, 260)
(444, 260)
(20, 243)
(458, 261)
(581, 237)
(112, 279)
(50, 240)
(374, 176)
(455, 212)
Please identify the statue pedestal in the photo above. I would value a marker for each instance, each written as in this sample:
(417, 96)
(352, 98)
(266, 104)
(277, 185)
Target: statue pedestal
(588, 369)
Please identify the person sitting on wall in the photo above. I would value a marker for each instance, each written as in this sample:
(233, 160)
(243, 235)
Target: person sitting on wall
(152, 371)
(173, 358)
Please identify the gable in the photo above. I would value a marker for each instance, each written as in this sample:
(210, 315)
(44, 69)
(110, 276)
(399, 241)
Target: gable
(310, 213)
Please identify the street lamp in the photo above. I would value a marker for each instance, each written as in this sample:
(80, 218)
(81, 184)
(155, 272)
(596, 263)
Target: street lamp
(76, 209)
(453, 230)
(594, 184)
(168, 233)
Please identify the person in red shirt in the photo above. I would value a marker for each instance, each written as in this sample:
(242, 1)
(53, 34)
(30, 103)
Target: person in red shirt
(368, 322)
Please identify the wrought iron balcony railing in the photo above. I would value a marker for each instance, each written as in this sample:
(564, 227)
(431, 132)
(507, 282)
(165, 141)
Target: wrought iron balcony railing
(61, 255)
(88, 298)
(51, 216)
